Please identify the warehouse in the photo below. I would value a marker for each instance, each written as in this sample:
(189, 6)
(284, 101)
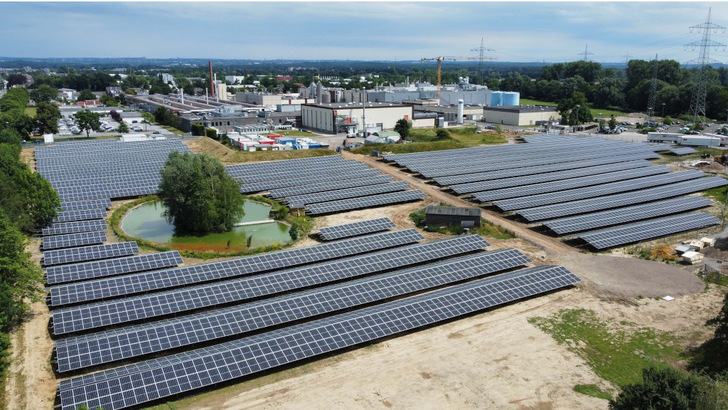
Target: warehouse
(347, 117)
(521, 114)
(450, 113)
(450, 215)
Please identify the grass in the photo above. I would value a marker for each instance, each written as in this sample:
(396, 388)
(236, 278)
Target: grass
(616, 352)
(234, 156)
(605, 113)
(367, 149)
(172, 129)
(422, 140)
(486, 228)
(717, 194)
(526, 101)
(592, 390)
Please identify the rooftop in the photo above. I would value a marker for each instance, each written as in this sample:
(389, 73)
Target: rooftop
(451, 210)
(338, 106)
(523, 108)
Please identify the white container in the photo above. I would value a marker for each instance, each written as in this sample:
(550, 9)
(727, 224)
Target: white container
(692, 257)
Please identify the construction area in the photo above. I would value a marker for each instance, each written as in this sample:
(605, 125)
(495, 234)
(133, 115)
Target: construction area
(482, 306)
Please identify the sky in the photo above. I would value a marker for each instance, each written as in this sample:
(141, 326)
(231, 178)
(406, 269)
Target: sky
(516, 31)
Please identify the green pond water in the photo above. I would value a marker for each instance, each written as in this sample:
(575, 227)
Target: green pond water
(147, 222)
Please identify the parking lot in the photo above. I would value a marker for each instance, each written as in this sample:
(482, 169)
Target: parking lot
(112, 126)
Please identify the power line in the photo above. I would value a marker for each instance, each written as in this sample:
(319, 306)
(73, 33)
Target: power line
(586, 53)
(697, 101)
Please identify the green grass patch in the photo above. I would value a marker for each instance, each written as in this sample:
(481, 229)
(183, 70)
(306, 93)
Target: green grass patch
(172, 129)
(486, 228)
(426, 139)
(31, 111)
(592, 390)
(606, 113)
(616, 352)
(717, 194)
(367, 149)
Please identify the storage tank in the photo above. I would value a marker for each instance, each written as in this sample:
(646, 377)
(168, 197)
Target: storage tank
(461, 105)
(496, 98)
(511, 98)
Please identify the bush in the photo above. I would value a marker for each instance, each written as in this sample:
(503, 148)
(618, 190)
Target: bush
(211, 133)
(667, 120)
(197, 130)
(660, 388)
(442, 134)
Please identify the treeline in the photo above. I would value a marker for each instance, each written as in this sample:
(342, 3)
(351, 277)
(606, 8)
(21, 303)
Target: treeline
(27, 202)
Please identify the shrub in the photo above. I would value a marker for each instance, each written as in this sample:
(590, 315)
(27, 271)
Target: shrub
(211, 133)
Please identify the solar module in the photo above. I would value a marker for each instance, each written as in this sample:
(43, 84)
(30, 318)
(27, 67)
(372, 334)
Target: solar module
(683, 151)
(364, 202)
(136, 384)
(73, 239)
(329, 186)
(629, 214)
(339, 167)
(560, 174)
(330, 233)
(89, 253)
(144, 307)
(565, 184)
(618, 200)
(655, 228)
(120, 344)
(162, 279)
(310, 179)
(80, 215)
(348, 193)
(111, 267)
(531, 201)
(92, 204)
(62, 228)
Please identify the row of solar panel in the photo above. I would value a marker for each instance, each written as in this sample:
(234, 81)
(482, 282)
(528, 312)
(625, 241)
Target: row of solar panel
(89, 253)
(365, 202)
(90, 204)
(158, 378)
(73, 240)
(71, 194)
(58, 164)
(133, 341)
(347, 193)
(330, 233)
(164, 279)
(63, 228)
(93, 147)
(74, 272)
(172, 302)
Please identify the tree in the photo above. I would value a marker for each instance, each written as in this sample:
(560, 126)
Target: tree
(667, 120)
(123, 128)
(575, 110)
(197, 129)
(15, 99)
(198, 195)
(147, 118)
(9, 136)
(46, 118)
(44, 93)
(86, 95)
(16, 79)
(88, 121)
(660, 388)
(403, 127)
(612, 123)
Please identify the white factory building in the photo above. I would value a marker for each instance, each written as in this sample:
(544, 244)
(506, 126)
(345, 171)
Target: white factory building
(348, 117)
(521, 114)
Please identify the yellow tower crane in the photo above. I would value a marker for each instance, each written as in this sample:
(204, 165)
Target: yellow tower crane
(450, 58)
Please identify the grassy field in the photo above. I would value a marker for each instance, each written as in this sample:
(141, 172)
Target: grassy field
(596, 112)
(171, 129)
(233, 156)
(422, 140)
(617, 352)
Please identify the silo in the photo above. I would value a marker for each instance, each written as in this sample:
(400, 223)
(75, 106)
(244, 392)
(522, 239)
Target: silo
(511, 98)
(461, 105)
(319, 92)
(496, 99)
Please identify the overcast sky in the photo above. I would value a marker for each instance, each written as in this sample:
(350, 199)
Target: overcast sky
(525, 32)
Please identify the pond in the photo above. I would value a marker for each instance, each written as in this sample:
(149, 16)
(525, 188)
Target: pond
(147, 222)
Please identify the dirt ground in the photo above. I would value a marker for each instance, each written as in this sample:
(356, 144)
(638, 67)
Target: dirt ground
(495, 359)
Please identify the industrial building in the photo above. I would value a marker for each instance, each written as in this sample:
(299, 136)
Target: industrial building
(450, 215)
(450, 113)
(521, 115)
(347, 117)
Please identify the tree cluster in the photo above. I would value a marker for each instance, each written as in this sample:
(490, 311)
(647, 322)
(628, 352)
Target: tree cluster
(165, 116)
(198, 194)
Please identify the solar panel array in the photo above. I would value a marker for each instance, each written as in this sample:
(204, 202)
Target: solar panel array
(636, 232)
(330, 233)
(90, 204)
(89, 253)
(136, 384)
(119, 344)
(73, 240)
(80, 215)
(125, 310)
(111, 267)
(347, 193)
(604, 182)
(683, 151)
(144, 282)
(365, 202)
(62, 228)
(328, 186)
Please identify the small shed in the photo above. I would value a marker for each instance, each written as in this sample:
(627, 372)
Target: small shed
(451, 215)
(692, 257)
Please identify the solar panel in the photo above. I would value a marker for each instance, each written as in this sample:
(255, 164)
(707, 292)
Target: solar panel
(110, 267)
(144, 307)
(89, 253)
(683, 151)
(348, 193)
(120, 344)
(80, 215)
(530, 201)
(134, 385)
(531, 169)
(365, 202)
(655, 228)
(73, 239)
(92, 204)
(565, 184)
(62, 228)
(618, 200)
(330, 233)
(309, 179)
(169, 278)
(629, 214)
(293, 172)
(480, 186)
(329, 186)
